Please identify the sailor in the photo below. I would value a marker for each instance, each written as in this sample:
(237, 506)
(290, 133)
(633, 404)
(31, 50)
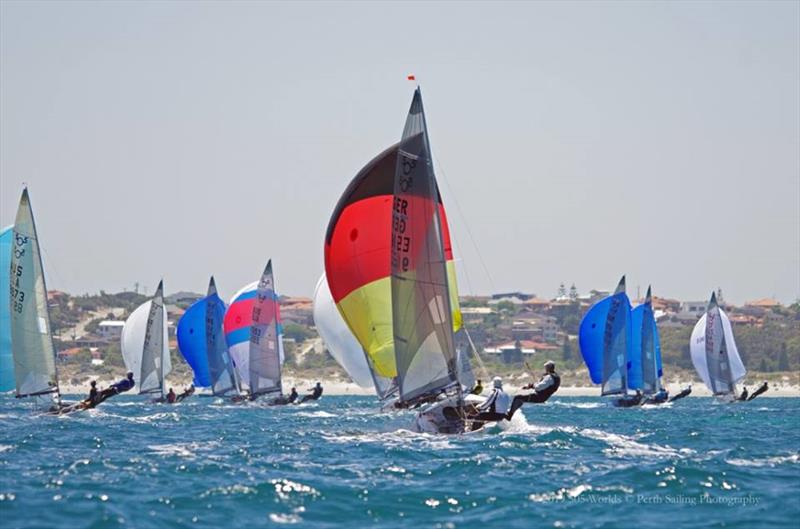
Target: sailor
(761, 389)
(684, 393)
(316, 392)
(744, 395)
(188, 392)
(126, 384)
(171, 396)
(93, 394)
(495, 407)
(293, 395)
(478, 389)
(284, 399)
(542, 390)
(658, 397)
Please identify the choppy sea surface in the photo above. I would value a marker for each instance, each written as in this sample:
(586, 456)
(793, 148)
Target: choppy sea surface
(340, 462)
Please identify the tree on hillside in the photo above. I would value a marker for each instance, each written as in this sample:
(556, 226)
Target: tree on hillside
(763, 365)
(562, 291)
(566, 353)
(783, 359)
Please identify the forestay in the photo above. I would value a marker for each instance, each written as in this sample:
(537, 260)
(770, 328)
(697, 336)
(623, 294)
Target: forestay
(32, 342)
(714, 354)
(422, 320)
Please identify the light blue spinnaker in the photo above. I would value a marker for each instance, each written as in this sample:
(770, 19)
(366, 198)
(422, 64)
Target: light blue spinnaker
(605, 338)
(646, 346)
(6, 357)
(201, 341)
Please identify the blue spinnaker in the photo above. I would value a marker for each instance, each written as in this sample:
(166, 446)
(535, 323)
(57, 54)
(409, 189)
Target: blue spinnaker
(192, 341)
(646, 345)
(605, 338)
(6, 357)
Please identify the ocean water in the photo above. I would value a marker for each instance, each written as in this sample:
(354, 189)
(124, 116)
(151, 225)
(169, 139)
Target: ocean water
(573, 462)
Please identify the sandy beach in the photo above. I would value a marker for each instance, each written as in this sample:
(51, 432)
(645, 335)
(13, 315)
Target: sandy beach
(346, 387)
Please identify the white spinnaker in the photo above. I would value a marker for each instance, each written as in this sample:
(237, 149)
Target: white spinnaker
(701, 345)
(133, 337)
(341, 343)
(697, 348)
(738, 371)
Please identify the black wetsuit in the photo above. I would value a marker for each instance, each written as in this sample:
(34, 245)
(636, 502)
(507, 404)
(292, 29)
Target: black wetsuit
(188, 393)
(317, 393)
(761, 389)
(115, 389)
(283, 400)
(488, 410)
(536, 397)
(684, 393)
(744, 395)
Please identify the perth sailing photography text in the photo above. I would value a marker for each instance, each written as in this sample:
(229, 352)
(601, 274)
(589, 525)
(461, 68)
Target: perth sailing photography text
(399, 264)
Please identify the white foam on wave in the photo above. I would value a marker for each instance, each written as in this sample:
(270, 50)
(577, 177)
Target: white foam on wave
(5, 448)
(764, 462)
(626, 446)
(398, 438)
(318, 414)
(581, 405)
(185, 450)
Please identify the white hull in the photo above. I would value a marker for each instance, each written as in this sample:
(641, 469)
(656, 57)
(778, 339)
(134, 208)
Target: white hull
(443, 416)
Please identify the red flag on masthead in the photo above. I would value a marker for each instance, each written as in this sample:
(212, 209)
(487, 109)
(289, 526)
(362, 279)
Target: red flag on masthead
(412, 77)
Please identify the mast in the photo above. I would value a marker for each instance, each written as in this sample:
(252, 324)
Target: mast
(265, 338)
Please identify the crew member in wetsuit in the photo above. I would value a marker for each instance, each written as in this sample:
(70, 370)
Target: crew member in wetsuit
(93, 394)
(744, 395)
(542, 390)
(171, 396)
(285, 399)
(126, 384)
(316, 393)
(478, 389)
(495, 407)
(188, 392)
(684, 393)
(761, 389)
(658, 397)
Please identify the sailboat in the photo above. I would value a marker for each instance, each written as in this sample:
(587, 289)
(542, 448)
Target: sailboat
(646, 351)
(605, 342)
(201, 341)
(6, 356)
(390, 269)
(145, 345)
(255, 336)
(35, 372)
(714, 354)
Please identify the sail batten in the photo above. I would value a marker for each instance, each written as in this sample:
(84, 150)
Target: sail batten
(33, 351)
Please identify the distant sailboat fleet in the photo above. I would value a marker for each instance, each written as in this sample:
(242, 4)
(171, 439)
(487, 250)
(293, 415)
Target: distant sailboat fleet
(387, 307)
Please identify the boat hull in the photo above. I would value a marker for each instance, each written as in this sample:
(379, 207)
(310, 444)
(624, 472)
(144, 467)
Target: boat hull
(447, 416)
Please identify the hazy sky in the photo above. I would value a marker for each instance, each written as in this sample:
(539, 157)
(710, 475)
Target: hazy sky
(574, 141)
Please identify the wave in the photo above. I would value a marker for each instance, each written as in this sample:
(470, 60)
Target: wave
(764, 462)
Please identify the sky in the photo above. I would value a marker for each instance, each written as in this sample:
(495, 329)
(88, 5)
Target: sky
(574, 142)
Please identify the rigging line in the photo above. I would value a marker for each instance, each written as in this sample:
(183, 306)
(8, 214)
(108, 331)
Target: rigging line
(466, 224)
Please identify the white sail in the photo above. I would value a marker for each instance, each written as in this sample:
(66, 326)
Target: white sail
(145, 345)
(32, 343)
(340, 342)
(713, 350)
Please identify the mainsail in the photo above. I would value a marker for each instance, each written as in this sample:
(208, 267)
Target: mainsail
(341, 343)
(358, 263)
(714, 354)
(145, 345)
(424, 344)
(605, 338)
(6, 357)
(645, 348)
(238, 325)
(266, 339)
(32, 343)
(201, 341)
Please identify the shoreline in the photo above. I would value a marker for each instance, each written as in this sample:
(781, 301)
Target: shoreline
(341, 387)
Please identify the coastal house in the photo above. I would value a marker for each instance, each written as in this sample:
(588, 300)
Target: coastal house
(110, 329)
(517, 351)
